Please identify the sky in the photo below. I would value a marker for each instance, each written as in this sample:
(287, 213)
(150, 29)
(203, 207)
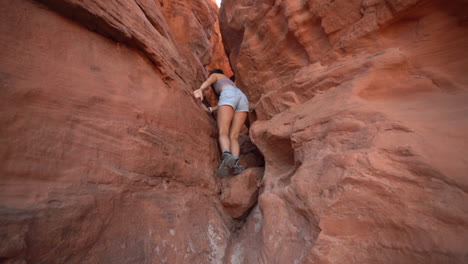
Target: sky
(218, 2)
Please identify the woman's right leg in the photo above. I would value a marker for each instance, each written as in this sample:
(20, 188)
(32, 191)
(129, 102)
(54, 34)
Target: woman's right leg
(237, 123)
(225, 115)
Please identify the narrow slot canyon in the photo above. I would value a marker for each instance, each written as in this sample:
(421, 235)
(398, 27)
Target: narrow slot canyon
(355, 144)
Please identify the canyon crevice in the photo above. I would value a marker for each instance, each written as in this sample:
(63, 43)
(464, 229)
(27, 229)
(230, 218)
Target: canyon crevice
(356, 144)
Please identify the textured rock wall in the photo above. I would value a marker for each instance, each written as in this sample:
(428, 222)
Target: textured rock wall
(105, 156)
(362, 117)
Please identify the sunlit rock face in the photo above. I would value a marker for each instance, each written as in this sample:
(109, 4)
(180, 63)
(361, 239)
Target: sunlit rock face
(105, 155)
(362, 117)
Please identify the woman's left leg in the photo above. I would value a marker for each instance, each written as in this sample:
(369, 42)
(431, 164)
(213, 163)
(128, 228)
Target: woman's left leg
(225, 116)
(237, 121)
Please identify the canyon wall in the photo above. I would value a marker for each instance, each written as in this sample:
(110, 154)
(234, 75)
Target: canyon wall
(361, 114)
(105, 155)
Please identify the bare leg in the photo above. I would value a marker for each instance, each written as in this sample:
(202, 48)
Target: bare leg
(225, 114)
(237, 122)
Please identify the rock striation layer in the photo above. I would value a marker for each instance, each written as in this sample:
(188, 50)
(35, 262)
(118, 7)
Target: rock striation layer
(99, 158)
(362, 117)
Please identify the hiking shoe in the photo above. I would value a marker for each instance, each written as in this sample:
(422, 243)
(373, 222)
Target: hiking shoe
(237, 169)
(227, 163)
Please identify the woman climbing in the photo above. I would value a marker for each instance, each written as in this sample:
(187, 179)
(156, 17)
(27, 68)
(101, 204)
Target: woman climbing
(232, 110)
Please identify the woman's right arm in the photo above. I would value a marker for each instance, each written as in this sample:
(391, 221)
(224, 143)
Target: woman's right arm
(198, 94)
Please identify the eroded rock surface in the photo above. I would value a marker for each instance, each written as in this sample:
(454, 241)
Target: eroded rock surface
(105, 156)
(362, 120)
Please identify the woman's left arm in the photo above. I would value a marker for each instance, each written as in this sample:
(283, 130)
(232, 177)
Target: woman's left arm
(212, 109)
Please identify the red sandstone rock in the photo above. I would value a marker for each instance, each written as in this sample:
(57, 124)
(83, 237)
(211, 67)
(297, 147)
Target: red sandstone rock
(361, 116)
(105, 156)
(362, 119)
(239, 192)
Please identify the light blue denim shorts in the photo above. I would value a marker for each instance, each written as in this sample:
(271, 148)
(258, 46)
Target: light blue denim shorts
(234, 97)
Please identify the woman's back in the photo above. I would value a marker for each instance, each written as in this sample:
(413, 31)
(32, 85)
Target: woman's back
(221, 81)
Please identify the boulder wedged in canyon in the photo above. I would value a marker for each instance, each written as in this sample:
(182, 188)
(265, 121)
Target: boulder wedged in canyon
(105, 155)
(362, 121)
(239, 192)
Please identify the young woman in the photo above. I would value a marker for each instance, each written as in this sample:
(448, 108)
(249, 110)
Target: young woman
(233, 108)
